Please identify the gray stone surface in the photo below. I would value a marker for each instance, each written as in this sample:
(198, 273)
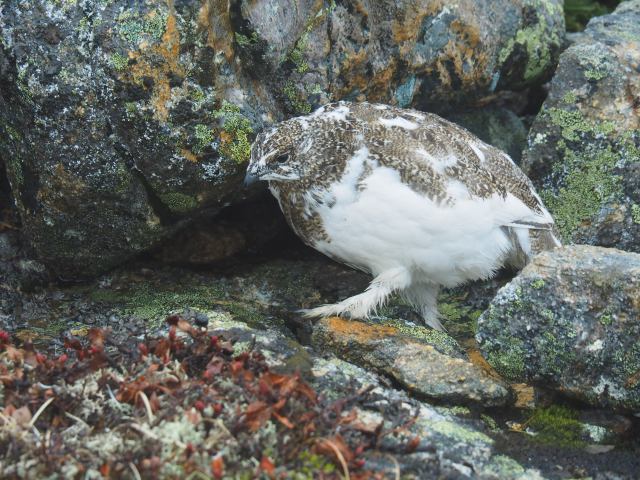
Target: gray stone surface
(427, 363)
(570, 321)
(120, 121)
(584, 147)
(499, 127)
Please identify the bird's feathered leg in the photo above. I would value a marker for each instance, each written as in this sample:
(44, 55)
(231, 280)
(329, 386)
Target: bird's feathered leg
(362, 305)
(424, 298)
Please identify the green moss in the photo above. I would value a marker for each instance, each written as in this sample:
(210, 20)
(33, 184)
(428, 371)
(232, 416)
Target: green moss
(490, 422)
(557, 425)
(238, 128)
(178, 202)
(588, 184)
(508, 359)
(459, 319)
(635, 213)
(119, 62)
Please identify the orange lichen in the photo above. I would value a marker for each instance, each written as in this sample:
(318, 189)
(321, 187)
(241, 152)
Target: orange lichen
(189, 155)
(63, 190)
(214, 19)
(158, 62)
(360, 331)
(408, 28)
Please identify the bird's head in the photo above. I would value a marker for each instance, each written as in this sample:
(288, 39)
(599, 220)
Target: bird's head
(273, 153)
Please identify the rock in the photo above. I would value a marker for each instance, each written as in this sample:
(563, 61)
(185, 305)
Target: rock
(424, 361)
(428, 54)
(122, 121)
(499, 127)
(571, 322)
(584, 146)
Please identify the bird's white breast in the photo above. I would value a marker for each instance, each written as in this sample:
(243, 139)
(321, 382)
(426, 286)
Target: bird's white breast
(378, 222)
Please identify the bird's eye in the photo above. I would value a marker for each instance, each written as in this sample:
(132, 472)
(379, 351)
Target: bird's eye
(282, 158)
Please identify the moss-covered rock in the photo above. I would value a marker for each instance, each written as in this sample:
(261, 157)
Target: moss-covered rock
(584, 147)
(570, 321)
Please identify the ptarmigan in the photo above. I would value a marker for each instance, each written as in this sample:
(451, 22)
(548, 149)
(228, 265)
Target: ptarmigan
(416, 201)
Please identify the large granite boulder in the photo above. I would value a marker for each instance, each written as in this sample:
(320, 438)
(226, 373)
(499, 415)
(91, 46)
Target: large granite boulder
(121, 120)
(584, 147)
(570, 321)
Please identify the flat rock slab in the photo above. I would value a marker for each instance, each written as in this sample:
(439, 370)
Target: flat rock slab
(570, 321)
(426, 365)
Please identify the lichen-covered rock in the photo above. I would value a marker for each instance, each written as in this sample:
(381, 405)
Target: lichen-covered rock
(570, 321)
(119, 120)
(428, 54)
(424, 361)
(584, 153)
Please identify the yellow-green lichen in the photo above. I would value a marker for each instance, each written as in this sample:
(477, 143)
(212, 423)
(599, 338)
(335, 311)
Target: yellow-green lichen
(296, 99)
(554, 351)
(297, 54)
(458, 432)
(570, 97)
(204, 137)
(119, 62)
(536, 39)
(244, 40)
(440, 340)
(236, 130)
(605, 318)
(133, 28)
(573, 124)
(508, 358)
(178, 202)
(537, 284)
(504, 467)
(635, 213)
(588, 184)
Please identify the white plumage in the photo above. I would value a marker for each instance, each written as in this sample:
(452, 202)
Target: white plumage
(414, 200)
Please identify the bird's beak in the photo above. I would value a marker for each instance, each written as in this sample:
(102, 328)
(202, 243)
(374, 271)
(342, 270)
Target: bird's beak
(250, 178)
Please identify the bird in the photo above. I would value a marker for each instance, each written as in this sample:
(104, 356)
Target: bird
(410, 198)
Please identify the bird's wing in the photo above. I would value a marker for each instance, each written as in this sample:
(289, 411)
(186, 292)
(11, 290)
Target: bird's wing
(485, 172)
